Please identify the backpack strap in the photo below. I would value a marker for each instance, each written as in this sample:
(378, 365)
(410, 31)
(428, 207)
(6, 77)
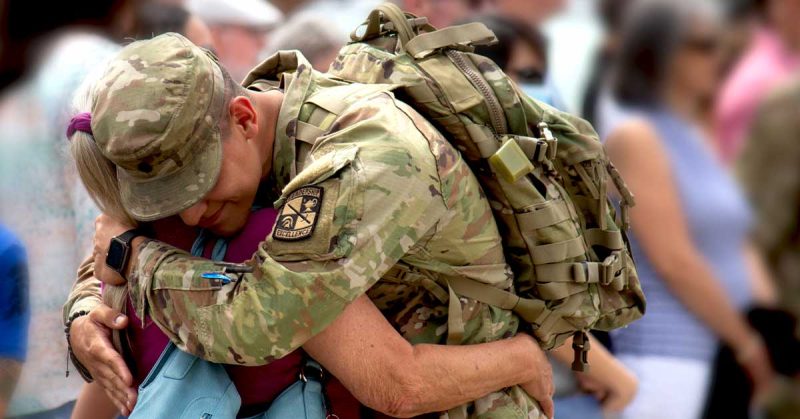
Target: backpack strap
(474, 33)
(331, 102)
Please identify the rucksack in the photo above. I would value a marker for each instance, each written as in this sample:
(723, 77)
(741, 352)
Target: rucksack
(543, 171)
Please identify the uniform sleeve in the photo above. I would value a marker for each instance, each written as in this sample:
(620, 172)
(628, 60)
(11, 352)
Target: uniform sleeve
(769, 170)
(380, 194)
(14, 304)
(85, 293)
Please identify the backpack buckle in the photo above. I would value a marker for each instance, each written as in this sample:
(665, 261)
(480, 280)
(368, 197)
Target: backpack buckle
(549, 139)
(610, 266)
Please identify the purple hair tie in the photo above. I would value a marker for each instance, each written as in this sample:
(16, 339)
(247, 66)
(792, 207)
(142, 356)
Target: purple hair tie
(80, 122)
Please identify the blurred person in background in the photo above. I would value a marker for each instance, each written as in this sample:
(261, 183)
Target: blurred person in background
(14, 314)
(239, 29)
(312, 35)
(440, 13)
(530, 13)
(521, 52)
(43, 201)
(611, 14)
(772, 55)
(769, 169)
(341, 16)
(742, 21)
(155, 17)
(690, 223)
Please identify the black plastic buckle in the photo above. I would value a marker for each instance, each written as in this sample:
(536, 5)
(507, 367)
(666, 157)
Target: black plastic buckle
(311, 371)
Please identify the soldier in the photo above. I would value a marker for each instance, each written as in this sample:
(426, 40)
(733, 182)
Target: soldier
(379, 204)
(769, 170)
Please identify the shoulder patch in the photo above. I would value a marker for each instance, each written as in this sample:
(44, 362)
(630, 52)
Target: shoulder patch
(298, 216)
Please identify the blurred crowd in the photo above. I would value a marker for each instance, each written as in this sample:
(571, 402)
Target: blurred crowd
(697, 102)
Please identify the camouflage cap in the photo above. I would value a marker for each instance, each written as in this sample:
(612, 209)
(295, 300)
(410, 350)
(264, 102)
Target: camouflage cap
(156, 116)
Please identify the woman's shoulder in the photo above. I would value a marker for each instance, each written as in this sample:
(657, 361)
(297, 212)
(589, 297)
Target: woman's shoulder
(636, 136)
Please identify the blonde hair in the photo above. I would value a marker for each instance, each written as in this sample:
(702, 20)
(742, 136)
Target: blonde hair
(99, 175)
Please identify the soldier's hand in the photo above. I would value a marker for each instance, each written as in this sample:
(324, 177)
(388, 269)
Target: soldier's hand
(105, 229)
(541, 388)
(90, 337)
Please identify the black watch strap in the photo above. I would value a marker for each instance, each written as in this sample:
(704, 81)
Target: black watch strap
(128, 236)
(119, 250)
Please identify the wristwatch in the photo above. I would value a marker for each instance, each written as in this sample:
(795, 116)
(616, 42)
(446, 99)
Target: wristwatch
(119, 251)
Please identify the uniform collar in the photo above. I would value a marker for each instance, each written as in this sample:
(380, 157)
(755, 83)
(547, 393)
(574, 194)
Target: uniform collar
(292, 69)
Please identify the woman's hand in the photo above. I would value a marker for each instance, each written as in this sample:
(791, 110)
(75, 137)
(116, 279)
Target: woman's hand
(754, 359)
(105, 229)
(614, 392)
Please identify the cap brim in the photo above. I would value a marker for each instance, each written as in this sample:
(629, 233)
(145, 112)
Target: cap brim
(161, 197)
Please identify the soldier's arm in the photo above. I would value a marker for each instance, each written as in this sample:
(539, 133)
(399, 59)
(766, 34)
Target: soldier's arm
(85, 294)
(387, 373)
(379, 204)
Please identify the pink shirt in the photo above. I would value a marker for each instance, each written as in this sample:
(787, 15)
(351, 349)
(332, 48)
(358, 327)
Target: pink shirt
(257, 386)
(765, 64)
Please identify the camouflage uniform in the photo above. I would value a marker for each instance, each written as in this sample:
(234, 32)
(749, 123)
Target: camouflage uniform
(393, 211)
(769, 170)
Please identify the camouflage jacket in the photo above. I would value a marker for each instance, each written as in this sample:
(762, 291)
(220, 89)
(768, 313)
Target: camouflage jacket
(769, 170)
(381, 204)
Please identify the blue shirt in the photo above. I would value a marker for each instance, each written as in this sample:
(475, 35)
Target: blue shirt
(719, 220)
(14, 307)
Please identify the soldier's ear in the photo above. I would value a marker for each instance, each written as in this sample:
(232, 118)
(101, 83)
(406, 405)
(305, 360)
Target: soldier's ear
(244, 116)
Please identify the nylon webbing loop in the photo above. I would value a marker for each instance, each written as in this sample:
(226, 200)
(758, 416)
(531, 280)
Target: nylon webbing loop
(548, 214)
(532, 311)
(610, 239)
(557, 252)
(308, 133)
(610, 271)
(474, 33)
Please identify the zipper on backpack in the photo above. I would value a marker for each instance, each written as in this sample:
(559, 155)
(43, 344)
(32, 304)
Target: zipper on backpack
(496, 114)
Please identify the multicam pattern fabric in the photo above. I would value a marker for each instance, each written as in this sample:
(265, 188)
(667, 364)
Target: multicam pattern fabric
(396, 193)
(128, 126)
(769, 170)
(544, 172)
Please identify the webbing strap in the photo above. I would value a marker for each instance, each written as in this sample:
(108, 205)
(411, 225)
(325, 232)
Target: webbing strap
(558, 290)
(551, 213)
(537, 149)
(483, 139)
(308, 133)
(474, 33)
(531, 311)
(587, 180)
(610, 239)
(610, 271)
(627, 197)
(558, 252)
(455, 319)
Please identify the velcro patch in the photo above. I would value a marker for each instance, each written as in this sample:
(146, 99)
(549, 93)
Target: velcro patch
(297, 218)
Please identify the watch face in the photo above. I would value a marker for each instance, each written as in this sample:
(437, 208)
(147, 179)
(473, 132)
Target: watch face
(116, 254)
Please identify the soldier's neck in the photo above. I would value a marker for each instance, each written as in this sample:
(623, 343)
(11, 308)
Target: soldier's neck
(268, 106)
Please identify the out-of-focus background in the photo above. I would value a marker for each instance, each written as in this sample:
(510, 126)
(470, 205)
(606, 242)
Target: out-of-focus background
(698, 102)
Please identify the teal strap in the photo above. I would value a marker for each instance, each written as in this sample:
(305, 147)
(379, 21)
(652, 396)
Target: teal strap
(219, 250)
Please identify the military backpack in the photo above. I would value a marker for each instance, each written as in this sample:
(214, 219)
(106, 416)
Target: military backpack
(543, 171)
